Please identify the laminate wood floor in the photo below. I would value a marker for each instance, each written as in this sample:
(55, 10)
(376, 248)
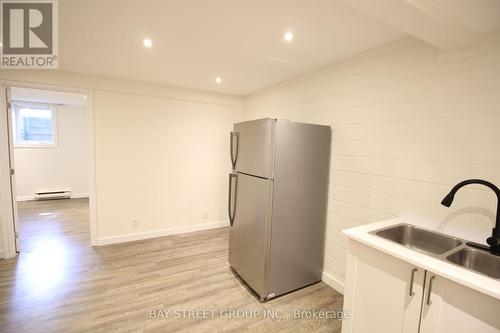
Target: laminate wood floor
(60, 284)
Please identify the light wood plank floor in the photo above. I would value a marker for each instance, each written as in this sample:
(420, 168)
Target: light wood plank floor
(60, 284)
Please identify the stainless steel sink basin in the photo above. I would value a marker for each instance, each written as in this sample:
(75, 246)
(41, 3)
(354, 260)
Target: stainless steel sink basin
(447, 248)
(477, 260)
(419, 239)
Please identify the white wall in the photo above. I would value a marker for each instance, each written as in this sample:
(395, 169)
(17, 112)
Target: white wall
(409, 121)
(161, 154)
(64, 166)
(163, 162)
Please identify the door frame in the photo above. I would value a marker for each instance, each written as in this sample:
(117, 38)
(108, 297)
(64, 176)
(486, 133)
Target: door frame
(10, 139)
(6, 213)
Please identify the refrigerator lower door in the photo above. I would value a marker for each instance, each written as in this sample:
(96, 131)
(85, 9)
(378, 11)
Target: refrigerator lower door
(249, 234)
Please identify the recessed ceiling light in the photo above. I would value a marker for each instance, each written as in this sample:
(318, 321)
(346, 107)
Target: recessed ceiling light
(288, 36)
(218, 79)
(147, 42)
(85, 96)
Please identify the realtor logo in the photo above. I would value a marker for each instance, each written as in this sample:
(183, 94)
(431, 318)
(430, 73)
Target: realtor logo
(29, 34)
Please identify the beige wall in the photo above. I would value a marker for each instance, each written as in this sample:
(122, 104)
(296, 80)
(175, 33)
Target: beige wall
(163, 162)
(408, 123)
(65, 166)
(161, 153)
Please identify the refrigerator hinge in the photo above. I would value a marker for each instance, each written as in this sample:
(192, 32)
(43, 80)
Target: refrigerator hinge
(12, 172)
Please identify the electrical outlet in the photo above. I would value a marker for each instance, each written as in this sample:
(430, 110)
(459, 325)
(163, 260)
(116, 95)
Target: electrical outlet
(205, 215)
(135, 223)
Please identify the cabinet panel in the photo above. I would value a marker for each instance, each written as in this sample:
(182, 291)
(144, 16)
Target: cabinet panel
(378, 291)
(450, 307)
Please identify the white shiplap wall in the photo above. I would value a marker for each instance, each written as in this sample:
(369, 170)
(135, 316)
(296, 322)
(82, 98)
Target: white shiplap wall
(409, 121)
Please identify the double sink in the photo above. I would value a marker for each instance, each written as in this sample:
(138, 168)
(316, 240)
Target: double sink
(444, 247)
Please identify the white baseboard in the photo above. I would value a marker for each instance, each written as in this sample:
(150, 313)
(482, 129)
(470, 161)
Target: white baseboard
(26, 198)
(1, 254)
(79, 195)
(333, 281)
(32, 197)
(160, 233)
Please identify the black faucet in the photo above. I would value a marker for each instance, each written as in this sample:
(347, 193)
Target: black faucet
(494, 240)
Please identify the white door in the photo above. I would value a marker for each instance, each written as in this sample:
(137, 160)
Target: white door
(383, 294)
(450, 307)
(11, 167)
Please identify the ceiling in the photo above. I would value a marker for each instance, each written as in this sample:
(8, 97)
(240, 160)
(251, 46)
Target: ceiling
(194, 41)
(47, 96)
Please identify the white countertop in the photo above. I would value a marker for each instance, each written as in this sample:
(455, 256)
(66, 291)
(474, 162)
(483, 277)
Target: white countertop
(471, 279)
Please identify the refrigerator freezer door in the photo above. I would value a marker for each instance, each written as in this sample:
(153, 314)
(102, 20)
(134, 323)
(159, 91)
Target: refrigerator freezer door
(253, 147)
(249, 234)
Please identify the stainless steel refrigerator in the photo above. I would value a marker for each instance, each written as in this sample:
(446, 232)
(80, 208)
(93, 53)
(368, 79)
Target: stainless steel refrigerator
(277, 204)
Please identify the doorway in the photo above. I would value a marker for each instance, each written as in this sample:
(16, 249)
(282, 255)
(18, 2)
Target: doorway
(50, 163)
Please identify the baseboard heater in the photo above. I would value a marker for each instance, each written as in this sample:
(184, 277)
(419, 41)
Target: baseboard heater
(52, 194)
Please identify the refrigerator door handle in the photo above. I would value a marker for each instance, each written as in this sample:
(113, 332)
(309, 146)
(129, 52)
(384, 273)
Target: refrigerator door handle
(233, 142)
(231, 211)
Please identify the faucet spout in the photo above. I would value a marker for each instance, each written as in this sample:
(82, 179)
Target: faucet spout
(494, 240)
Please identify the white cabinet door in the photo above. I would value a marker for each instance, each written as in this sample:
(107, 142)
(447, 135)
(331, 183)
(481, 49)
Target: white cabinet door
(451, 307)
(383, 294)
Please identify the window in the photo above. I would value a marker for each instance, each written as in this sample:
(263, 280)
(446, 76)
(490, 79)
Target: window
(34, 125)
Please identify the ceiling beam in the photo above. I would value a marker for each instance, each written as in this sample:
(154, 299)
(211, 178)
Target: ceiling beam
(419, 18)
